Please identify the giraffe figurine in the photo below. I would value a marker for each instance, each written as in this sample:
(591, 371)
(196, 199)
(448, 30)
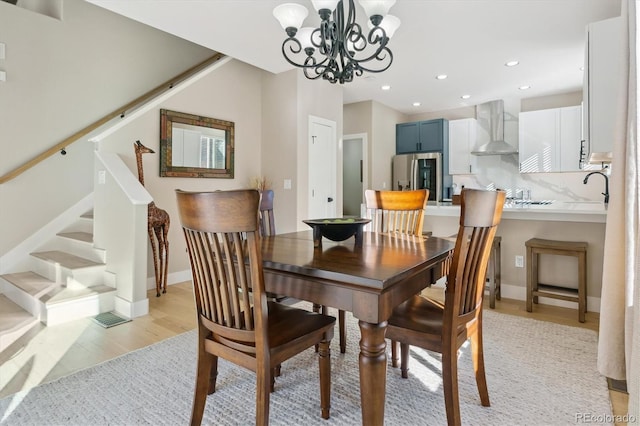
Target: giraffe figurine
(157, 228)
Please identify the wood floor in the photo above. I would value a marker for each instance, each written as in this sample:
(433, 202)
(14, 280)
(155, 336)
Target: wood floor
(46, 353)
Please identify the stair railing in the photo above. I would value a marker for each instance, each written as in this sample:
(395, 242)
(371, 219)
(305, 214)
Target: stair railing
(60, 146)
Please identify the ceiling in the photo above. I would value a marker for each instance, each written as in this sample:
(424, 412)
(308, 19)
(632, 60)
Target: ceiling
(469, 40)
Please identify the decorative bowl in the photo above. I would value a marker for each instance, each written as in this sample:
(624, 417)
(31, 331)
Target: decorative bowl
(337, 229)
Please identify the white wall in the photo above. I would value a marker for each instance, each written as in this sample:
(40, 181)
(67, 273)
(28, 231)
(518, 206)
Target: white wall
(63, 75)
(379, 123)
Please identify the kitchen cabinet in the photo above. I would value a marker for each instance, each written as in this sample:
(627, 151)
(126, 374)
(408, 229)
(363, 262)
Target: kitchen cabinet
(603, 69)
(550, 140)
(462, 140)
(421, 136)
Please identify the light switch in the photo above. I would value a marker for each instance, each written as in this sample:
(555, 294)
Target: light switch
(102, 177)
(2, 47)
(287, 184)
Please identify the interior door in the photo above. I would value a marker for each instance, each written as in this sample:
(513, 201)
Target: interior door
(322, 168)
(352, 175)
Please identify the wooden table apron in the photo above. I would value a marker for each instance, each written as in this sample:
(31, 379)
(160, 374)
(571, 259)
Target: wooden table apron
(368, 281)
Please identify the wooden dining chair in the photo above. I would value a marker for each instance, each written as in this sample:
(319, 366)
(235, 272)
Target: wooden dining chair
(396, 211)
(267, 223)
(444, 327)
(223, 241)
(390, 211)
(267, 219)
(399, 212)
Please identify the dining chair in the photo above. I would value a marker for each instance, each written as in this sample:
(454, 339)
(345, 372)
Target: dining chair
(235, 319)
(400, 212)
(390, 211)
(267, 220)
(444, 327)
(267, 224)
(396, 211)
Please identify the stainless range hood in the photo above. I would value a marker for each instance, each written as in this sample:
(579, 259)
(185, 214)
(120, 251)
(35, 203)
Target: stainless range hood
(490, 116)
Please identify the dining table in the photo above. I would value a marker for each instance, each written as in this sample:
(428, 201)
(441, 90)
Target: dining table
(368, 278)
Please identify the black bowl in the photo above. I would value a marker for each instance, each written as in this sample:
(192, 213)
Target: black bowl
(336, 229)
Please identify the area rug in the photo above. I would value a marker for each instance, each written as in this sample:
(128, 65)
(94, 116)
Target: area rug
(538, 374)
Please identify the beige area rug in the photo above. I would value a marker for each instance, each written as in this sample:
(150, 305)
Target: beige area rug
(538, 374)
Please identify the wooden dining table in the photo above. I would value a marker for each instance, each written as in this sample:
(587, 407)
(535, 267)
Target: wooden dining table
(367, 279)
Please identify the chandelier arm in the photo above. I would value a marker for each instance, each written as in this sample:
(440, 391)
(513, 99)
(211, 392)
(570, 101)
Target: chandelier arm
(388, 54)
(296, 48)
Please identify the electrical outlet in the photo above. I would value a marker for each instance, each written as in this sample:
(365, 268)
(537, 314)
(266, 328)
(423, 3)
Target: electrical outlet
(519, 261)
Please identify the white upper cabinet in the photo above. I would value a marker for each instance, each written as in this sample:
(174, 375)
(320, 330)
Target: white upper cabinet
(462, 140)
(603, 68)
(570, 138)
(550, 140)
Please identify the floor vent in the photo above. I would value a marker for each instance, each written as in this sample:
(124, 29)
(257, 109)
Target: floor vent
(109, 319)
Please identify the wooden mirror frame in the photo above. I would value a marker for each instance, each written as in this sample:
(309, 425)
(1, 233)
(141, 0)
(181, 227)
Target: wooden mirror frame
(167, 169)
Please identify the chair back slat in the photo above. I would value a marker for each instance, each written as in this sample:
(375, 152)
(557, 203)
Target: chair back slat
(396, 211)
(480, 216)
(226, 265)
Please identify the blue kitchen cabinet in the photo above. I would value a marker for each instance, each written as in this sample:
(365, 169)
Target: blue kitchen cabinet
(422, 136)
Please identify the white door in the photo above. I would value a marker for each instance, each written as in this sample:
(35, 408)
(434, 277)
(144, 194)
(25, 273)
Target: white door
(322, 168)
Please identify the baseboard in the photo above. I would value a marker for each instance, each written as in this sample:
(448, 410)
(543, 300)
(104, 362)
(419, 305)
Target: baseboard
(131, 309)
(508, 291)
(172, 278)
(517, 292)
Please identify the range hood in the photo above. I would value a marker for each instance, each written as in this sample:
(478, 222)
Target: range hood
(490, 116)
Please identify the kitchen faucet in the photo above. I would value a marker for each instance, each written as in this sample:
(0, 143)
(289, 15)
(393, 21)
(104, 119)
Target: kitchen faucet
(606, 184)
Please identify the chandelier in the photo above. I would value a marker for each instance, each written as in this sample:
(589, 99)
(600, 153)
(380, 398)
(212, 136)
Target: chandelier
(338, 49)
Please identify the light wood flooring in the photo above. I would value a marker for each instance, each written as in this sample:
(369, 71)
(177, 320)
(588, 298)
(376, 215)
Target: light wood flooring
(47, 353)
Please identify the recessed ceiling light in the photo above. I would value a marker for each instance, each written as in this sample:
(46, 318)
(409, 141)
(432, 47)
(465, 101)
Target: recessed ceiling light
(386, 87)
(465, 96)
(417, 104)
(524, 87)
(511, 63)
(581, 68)
(441, 76)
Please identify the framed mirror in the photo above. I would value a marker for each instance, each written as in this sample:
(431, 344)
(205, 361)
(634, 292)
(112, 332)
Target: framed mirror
(195, 146)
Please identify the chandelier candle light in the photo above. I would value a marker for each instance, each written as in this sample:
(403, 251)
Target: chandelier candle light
(338, 49)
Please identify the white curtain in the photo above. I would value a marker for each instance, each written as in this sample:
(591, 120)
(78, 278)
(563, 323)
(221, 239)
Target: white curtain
(619, 337)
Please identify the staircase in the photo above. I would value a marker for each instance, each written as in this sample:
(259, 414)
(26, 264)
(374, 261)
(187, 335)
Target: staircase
(66, 280)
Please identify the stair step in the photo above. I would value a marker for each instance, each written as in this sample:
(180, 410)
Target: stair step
(65, 259)
(85, 237)
(12, 316)
(14, 322)
(31, 283)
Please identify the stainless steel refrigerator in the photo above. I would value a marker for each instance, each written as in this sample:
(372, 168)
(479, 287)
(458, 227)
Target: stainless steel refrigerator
(418, 171)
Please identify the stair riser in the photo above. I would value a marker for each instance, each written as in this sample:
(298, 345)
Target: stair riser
(83, 224)
(8, 337)
(71, 310)
(21, 298)
(76, 278)
(75, 247)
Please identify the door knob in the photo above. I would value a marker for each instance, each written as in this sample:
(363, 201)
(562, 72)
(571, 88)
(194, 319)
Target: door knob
(329, 199)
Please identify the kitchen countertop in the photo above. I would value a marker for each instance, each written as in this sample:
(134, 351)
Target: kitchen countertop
(559, 211)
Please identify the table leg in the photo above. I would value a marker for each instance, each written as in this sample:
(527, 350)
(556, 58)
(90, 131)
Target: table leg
(373, 372)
